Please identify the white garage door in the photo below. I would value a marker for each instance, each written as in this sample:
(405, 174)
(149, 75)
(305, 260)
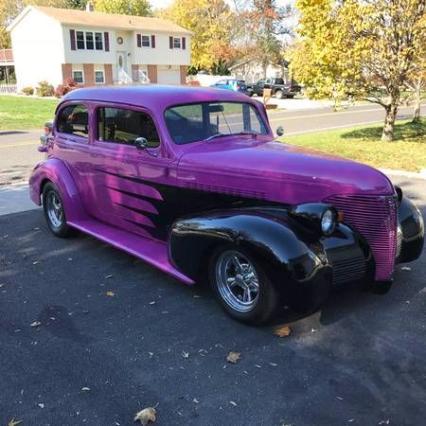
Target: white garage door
(168, 76)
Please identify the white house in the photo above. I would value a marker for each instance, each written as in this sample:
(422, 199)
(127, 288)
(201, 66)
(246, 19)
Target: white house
(97, 48)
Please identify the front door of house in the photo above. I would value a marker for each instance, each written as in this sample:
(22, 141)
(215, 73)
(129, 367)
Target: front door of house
(122, 68)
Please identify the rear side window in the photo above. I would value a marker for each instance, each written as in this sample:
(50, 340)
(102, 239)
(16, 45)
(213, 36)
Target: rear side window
(124, 126)
(74, 120)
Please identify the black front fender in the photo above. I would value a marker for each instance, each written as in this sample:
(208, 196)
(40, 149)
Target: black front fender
(279, 244)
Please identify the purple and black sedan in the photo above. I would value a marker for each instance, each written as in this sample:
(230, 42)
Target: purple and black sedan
(192, 181)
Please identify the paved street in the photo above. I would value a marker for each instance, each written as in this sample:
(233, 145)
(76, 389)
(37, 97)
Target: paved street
(97, 359)
(18, 150)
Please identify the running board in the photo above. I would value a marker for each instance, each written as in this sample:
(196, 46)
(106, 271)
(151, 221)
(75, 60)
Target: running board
(151, 251)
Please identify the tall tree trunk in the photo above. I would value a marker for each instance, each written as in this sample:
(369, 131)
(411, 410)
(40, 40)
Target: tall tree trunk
(417, 101)
(388, 128)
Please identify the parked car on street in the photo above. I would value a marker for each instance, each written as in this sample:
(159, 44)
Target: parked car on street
(231, 84)
(279, 88)
(192, 181)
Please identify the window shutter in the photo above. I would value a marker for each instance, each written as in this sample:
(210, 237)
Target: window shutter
(153, 41)
(183, 43)
(106, 37)
(171, 42)
(139, 40)
(72, 38)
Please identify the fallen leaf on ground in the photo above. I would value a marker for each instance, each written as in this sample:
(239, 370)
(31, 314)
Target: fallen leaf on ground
(41, 405)
(108, 276)
(233, 403)
(185, 354)
(282, 331)
(35, 324)
(14, 422)
(110, 293)
(405, 268)
(233, 357)
(85, 389)
(146, 415)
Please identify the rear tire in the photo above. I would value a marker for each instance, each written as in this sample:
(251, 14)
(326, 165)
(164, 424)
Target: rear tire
(54, 211)
(241, 286)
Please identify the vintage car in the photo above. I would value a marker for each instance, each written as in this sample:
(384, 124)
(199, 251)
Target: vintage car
(192, 181)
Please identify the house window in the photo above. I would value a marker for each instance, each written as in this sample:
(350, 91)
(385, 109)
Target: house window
(78, 76)
(99, 77)
(146, 41)
(123, 126)
(176, 43)
(89, 41)
(80, 40)
(99, 43)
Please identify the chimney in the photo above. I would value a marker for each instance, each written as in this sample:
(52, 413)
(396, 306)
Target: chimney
(89, 6)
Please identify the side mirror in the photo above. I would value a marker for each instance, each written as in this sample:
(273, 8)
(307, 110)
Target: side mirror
(280, 130)
(141, 143)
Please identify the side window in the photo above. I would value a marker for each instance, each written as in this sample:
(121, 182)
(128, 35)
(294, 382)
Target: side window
(74, 120)
(124, 126)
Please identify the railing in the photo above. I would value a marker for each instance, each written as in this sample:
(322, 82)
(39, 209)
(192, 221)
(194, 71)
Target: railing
(8, 88)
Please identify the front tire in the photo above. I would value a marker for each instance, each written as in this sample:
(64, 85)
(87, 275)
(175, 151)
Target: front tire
(279, 94)
(54, 211)
(241, 286)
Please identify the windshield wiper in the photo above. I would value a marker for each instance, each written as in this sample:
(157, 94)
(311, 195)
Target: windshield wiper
(216, 135)
(219, 135)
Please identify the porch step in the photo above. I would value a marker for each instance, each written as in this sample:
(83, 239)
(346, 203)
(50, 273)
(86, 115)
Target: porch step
(151, 251)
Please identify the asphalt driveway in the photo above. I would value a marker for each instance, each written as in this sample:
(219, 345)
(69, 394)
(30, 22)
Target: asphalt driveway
(116, 336)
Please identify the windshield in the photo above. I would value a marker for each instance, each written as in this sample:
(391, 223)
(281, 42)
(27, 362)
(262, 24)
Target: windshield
(211, 120)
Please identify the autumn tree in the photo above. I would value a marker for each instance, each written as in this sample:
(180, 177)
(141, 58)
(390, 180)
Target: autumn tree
(124, 7)
(212, 23)
(367, 47)
(263, 26)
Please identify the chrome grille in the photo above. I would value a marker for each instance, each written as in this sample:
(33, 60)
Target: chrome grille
(374, 217)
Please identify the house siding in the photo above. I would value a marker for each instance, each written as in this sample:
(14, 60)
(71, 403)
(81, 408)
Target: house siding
(38, 50)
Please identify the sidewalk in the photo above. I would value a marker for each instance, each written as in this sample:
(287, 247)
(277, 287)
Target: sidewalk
(14, 199)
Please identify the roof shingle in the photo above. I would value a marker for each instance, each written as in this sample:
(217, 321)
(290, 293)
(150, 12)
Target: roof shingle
(111, 20)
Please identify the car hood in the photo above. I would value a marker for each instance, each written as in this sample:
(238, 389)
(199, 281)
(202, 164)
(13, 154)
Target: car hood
(275, 171)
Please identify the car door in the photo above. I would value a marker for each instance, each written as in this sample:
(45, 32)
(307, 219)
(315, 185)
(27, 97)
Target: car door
(126, 178)
(72, 143)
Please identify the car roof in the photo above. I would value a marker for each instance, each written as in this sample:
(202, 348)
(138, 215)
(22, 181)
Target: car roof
(153, 96)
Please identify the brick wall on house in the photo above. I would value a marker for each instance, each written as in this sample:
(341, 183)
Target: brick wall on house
(108, 73)
(89, 74)
(152, 73)
(66, 71)
(183, 73)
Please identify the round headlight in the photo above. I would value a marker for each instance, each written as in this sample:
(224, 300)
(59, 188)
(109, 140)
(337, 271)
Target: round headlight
(328, 222)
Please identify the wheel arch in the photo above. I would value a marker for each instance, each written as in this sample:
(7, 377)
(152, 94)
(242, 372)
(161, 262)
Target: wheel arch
(56, 172)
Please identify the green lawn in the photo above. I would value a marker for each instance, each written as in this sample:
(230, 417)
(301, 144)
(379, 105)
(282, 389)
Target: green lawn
(20, 112)
(407, 152)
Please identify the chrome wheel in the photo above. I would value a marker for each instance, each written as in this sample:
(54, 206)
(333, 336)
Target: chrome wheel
(55, 211)
(237, 281)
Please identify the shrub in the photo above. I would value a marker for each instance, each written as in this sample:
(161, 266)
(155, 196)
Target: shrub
(63, 89)
(29, 91)
(45, 89)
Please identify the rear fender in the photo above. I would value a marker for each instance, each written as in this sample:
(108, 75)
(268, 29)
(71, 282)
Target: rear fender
(56, 171)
